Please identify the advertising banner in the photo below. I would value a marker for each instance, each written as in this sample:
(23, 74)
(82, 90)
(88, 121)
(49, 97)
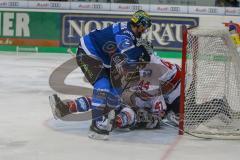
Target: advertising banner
(29, 28)
(123, 7)
(165, 32)
(13, 4)
(90, 6)
(206, 10)
(232, 11)
(59, 29)
(168, 9)
(49, 5)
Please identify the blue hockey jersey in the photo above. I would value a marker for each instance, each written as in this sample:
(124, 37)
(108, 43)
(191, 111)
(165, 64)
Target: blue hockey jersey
(114, 39)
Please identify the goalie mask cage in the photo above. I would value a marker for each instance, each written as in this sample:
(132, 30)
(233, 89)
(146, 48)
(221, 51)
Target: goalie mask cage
(210, 98)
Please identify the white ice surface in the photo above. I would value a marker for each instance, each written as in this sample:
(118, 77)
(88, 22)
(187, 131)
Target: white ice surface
(28, 131)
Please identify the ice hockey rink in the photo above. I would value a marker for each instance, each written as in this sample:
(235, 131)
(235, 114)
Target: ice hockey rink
(28, 130)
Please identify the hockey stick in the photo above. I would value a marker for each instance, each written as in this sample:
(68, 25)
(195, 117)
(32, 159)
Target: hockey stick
(71, 52)
(129, 80)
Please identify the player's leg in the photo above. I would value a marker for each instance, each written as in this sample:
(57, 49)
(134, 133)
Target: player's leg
(172, 114)
(61, 108)
(97, 75)
(102, 114)
(91, 66)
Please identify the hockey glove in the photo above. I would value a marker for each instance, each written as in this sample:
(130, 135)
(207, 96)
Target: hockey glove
(146, 44)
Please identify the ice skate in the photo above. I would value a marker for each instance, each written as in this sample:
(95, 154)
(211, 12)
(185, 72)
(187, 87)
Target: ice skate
(59, 109)
(100, 129)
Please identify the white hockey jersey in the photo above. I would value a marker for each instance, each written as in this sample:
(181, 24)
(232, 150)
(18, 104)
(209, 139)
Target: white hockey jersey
(164, 79)
(158, 86)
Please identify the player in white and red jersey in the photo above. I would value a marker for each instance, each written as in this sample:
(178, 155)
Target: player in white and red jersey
(166, 76)
(158, 90)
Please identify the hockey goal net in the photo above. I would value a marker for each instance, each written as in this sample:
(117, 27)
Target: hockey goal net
(210, 98)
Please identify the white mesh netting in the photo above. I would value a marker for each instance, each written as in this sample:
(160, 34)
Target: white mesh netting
(212, 93)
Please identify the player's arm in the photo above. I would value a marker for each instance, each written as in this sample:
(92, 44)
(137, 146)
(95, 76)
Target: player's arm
(135, 49)
(171, 78)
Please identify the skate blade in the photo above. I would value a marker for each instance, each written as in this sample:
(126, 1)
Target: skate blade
(96, 136)
(55, 111)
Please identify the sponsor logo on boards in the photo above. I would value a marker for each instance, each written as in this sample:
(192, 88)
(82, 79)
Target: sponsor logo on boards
(165, 32)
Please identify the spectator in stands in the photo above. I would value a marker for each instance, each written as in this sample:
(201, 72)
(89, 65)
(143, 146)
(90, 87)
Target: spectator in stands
(227, 3)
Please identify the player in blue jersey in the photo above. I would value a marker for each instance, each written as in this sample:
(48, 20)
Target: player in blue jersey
(94, 56)
(101, 45)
